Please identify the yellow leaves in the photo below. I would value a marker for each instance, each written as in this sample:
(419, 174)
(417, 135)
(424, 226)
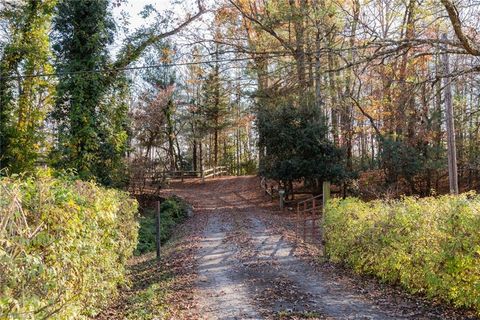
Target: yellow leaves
(427, 245)
(71, 251)
(167, 54)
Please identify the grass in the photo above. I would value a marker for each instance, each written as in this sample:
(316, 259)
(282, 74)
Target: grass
(287, 314)
(160, 290)
(173, 211)
(148, 298)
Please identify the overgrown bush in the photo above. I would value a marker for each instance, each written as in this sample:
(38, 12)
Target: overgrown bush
(64, 244)
(428, 245)
(172, 211)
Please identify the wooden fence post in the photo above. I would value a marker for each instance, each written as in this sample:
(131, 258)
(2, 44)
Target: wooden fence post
(281, 194)
(326, 197)
(326, 193)
(157, 227)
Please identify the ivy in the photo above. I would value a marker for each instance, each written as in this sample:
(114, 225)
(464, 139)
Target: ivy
(25, 102)
(90, 110)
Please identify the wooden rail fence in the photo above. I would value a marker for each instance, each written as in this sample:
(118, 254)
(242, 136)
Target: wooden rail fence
(213, 172)
(309, 213)
(268, 189)
(154, 179)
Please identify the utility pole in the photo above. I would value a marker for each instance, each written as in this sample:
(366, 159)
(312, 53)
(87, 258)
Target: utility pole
(451, 148)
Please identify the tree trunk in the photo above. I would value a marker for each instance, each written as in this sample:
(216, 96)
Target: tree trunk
(298, 14)
(451, 148)
(194, 155)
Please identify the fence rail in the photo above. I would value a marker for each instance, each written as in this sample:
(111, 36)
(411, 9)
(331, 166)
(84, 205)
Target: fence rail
(215, 171)
(308, 217)
(155, 179)
(268, 189)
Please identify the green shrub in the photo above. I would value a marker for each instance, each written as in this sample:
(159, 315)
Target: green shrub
(172, 211)
(428, 245)
(64, 244)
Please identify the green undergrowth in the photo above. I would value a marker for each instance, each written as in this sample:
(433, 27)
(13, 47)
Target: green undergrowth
(64, 246)
(152, 285)
(173, 211)
(429, 246)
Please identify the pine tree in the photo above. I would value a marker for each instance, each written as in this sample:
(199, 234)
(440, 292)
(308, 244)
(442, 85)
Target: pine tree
(213, 109)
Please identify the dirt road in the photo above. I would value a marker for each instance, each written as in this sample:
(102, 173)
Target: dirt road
(248, 267)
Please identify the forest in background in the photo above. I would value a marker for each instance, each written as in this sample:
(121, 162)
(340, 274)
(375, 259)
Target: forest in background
(309, 90)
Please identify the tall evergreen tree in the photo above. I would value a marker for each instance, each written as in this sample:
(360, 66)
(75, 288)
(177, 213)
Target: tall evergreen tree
(83, 31)
(213, 109)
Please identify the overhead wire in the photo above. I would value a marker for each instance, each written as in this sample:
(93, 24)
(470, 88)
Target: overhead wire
(132, 68)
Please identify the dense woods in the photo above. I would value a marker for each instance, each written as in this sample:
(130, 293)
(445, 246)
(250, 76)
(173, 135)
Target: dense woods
(379, 97)
(376, 76)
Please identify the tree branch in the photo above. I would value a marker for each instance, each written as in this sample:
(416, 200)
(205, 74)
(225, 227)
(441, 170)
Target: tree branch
(132, 52)
(457, 26)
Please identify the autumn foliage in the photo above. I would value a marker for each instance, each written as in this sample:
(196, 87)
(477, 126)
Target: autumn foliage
(64, 244)
(428, 245)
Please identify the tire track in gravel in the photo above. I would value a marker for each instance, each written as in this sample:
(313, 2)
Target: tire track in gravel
(248, 270)
(297, 287)
(222, 294)
(281, 283)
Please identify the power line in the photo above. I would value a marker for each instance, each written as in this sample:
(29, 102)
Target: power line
(144, 67)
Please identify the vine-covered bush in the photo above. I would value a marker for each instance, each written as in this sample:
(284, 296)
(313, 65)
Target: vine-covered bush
(172, 211)
(428, 245)
(64, 244)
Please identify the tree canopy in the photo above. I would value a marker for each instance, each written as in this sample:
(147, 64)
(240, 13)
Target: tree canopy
(216, 84)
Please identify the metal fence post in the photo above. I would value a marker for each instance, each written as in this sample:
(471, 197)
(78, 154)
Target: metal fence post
(157, 225)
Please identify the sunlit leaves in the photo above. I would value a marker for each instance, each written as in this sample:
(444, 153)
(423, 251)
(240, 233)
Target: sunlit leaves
(64, 246)
(427, 245)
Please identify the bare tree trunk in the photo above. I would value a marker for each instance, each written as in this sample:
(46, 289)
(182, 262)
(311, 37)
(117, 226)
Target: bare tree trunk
(298, 14)
(318, 71)
(237, 147)
(194, 155)
(215, 148)
(451, 148)
(334, 101)
(200, 155)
